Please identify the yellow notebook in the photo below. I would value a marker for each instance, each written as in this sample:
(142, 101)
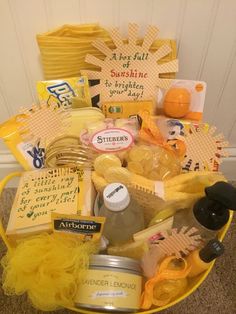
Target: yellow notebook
(40, 193)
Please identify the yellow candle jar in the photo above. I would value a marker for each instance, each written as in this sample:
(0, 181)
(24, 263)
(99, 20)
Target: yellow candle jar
(112, 283)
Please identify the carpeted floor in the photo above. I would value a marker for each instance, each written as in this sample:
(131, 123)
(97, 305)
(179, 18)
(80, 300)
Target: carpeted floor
(217, 295)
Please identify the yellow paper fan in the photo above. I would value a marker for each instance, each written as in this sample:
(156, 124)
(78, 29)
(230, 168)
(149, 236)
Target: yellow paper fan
(180, 241)
(43, 122)
(130, 71)
(204, 148)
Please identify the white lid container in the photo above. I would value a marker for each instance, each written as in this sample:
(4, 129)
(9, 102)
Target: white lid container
(116, 197)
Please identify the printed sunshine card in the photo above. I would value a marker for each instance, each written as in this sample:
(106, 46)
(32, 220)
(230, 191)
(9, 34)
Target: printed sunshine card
(39, 194)
(130, 72)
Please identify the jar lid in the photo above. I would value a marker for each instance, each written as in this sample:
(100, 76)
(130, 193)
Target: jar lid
(115, 262)
(116, 197)
(211, 251)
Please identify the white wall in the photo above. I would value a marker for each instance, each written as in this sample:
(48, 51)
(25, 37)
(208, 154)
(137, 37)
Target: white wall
(205, 31)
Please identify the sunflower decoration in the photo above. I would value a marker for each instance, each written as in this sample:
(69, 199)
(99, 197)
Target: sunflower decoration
(204, 149)
(130, 71)
(177, 242)
(42, 123)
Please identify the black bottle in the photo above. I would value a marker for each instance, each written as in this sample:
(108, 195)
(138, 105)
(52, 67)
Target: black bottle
(210, 213)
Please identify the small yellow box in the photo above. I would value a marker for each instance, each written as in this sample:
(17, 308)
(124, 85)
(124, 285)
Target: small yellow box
(126, 109)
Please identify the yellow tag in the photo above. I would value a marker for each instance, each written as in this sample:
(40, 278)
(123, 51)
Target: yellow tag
(86, 228)
(126, 109)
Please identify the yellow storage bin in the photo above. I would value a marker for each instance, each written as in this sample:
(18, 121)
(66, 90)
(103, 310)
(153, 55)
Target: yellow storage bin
(194, 284)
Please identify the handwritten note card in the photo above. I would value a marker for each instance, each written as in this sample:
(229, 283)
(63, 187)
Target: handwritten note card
(130, 72)
(42, 192)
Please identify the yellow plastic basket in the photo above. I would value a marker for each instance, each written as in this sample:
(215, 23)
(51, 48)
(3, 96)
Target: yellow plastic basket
(196, 282)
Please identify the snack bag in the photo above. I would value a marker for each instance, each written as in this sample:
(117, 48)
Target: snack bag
(68, 92)
(110, 136)
(153, 162)
(28, 155)
(123, 153)
(159, 130)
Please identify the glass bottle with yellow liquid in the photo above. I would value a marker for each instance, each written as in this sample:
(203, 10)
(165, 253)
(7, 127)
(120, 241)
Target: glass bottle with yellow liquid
(124, 216)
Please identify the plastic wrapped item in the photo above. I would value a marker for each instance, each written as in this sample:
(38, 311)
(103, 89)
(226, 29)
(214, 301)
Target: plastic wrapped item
(177, 102)
(153, 162)
(81, 117)
(184, 99)
(162, 132)
(108, 169)
(168, 290)
(150, 233)
(67, 92)
(111, 135)
(29, 155)
(104, 161)
(109, 166)
(118, 174)
(168, 282)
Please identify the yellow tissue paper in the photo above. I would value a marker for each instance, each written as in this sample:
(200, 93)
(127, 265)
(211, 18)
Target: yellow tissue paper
(63, 50)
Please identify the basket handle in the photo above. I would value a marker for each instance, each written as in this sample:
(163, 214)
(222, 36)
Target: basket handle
(3, 183)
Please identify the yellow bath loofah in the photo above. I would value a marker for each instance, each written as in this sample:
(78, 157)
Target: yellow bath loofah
(48, 267)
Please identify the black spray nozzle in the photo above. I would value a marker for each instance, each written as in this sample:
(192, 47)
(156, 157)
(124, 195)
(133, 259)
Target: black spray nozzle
(212, 211)
(223, 193)
(211, 251)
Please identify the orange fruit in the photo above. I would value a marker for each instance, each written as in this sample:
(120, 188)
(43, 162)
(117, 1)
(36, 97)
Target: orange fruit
(177, 102)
